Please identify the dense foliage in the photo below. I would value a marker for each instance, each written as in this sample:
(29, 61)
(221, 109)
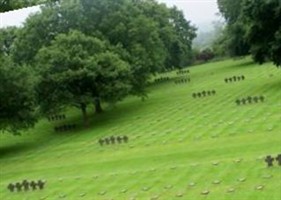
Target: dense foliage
(10, 5)
(17, 97)
(253, 26)
(90, 52)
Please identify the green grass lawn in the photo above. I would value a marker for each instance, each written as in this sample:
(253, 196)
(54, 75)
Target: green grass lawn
(178, 146)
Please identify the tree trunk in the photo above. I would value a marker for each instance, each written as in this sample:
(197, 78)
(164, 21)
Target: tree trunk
(98, 107)
(84, 114)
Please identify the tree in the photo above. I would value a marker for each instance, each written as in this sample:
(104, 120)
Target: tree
(41, 28)
(233, 39)
(17, 97)
(263, 19)
(182, 46)
(149, 36)
(253, 27)
(7, 37)
(77, 70)
(9, 5)
(230, 10)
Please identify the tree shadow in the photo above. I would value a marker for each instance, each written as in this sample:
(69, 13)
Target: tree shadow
(244, 64)
(14, 149)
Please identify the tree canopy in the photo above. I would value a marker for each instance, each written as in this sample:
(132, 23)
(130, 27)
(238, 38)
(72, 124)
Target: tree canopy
(92, 52)
(17, 97)
(263, 19)
(253, 26)
(77, 70)
(10, 5)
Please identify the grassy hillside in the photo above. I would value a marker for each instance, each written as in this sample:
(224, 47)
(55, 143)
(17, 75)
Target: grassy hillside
(178, 146)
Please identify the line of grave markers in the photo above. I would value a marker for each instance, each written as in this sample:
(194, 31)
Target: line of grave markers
(204, 94)
(182, 81)
(66, 127)
(56, 117)
(250, 100)
(161, 79)
(113, 140)
(183, 72)
(26, 185)
(234, 79)
(269, 160)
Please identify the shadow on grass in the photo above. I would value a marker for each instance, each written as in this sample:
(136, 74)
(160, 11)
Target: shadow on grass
(14, 149)
(245, 64)
(109, 118)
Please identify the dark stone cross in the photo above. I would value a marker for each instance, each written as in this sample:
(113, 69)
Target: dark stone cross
(101, 141)
(278, 158)
(256, 99)
(18, 186)
(119, 139)
(25, 185)
(238, 102)
(11, 187)
(112, 139)
(125, 138)
(204, 93)
(107, 141)
(41, 184)
(249, 99)
(243, 101)
(33, 185)
(269, 160)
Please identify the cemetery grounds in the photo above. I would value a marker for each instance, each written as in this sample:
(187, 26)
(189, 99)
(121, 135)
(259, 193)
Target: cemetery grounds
(179, 147)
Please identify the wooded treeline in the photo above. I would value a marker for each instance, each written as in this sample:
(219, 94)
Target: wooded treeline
(252, 27)
(78, 53)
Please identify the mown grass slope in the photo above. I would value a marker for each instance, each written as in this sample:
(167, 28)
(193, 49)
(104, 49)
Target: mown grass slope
(178, 146)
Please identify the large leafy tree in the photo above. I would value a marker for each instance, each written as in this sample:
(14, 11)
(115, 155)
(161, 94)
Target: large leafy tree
(18, 104)
(263, 20)
(77, 70)
(230, 10)
(149, 36)
(253, 26)
(9, 5)
(87, 52)
(17, 97)
(7, 37)
(233, 39)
